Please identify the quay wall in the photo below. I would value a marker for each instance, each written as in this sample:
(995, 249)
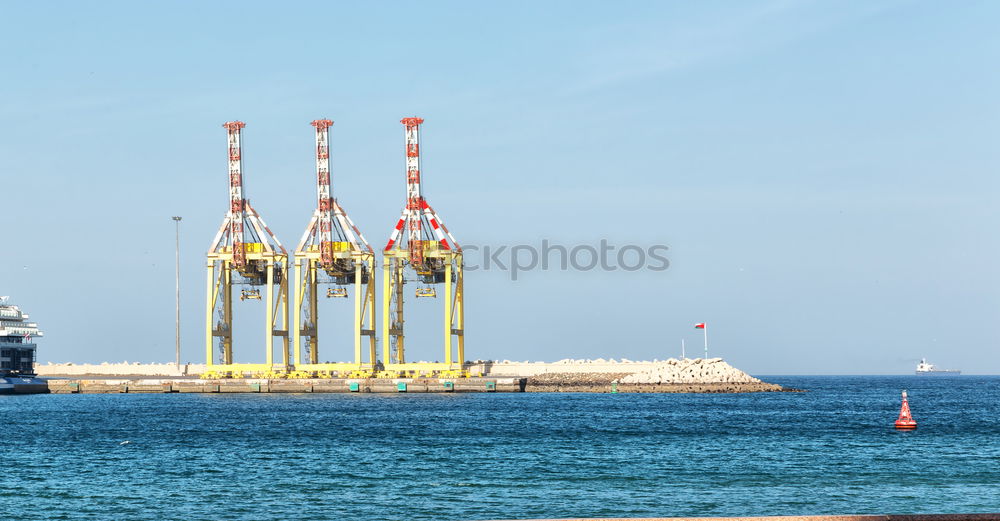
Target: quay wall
(299, 385)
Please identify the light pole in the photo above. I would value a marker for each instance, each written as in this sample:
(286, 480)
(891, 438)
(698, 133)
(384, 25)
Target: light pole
(177, 288)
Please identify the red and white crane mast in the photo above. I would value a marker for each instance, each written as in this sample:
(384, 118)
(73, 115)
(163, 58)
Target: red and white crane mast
(324, 201)
(414, 201)
(237, 206)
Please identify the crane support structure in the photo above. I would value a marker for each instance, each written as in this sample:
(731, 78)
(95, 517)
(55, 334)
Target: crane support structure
(421, 242)
(244, 253)
(332, 253)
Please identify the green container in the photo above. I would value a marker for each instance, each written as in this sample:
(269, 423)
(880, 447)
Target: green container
(491, 386)
(354, 387)
(401, 387)
(449, 386)
(255, 387)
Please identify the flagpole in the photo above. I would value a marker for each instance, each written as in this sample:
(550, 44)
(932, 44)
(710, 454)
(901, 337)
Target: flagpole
(705, 330)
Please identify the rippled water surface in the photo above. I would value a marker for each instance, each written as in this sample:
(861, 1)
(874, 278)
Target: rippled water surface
(486, 456)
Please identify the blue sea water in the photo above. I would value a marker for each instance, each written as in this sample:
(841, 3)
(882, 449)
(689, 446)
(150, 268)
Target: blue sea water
(831, 450)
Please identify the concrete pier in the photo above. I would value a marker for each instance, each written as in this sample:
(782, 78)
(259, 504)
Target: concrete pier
(688, 375)
(305, 385)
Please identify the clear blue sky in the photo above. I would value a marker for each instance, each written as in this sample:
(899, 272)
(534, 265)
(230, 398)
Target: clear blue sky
(824, 173)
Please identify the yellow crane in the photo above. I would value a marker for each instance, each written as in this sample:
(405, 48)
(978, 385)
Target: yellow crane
(332, 252)
(420, 241)
(244, 253)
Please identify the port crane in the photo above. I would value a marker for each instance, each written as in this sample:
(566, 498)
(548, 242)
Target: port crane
(244, 253)
(421, 243)
(332, 254)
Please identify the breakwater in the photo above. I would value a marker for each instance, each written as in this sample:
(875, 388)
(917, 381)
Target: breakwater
(136, 369)
(619, 383)
(686, 375)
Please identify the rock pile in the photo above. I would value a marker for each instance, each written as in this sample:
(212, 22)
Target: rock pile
(690, 370)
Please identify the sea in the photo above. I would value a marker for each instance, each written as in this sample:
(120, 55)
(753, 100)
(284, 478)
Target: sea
(831, 449)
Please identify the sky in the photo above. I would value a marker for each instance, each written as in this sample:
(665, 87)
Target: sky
(823, 174)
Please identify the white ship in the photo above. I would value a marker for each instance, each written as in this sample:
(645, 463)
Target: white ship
(923, 368)
(17, 351)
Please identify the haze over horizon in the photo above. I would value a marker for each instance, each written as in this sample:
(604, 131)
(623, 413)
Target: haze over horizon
(824, 174)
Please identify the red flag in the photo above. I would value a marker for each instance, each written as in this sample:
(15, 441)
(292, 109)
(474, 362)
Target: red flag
(700, 326)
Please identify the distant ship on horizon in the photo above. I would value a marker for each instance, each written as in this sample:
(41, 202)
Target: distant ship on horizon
(924, 368)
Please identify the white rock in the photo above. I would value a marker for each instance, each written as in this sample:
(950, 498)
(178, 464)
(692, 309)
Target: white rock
(712, 370)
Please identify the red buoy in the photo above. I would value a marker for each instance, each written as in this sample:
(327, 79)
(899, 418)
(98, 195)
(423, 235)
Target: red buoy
(905, 421)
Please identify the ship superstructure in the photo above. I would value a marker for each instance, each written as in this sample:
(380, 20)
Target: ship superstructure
(924, 368)
(17, 351)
